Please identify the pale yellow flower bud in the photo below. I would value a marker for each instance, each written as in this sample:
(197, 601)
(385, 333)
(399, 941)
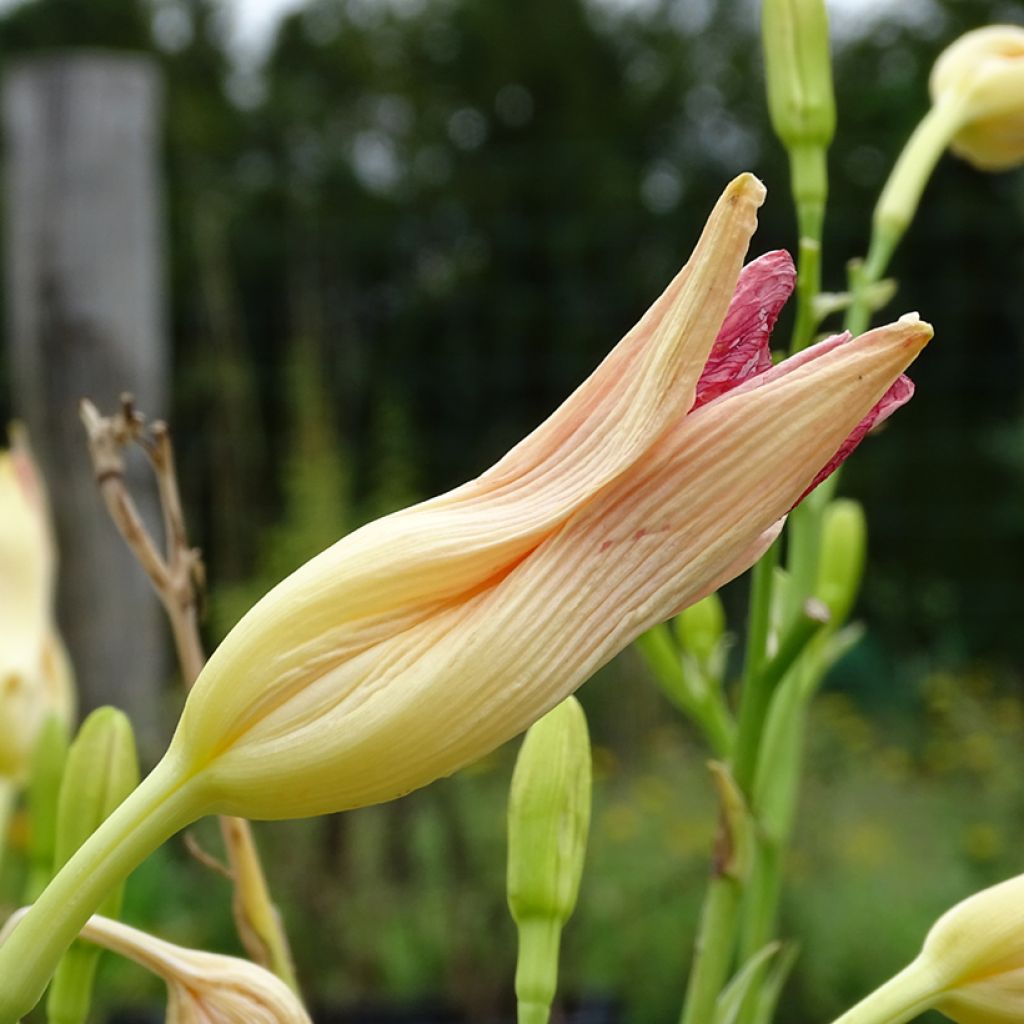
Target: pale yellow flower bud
(982, 73)
(35, 677)
(971, 967)
(202, 988)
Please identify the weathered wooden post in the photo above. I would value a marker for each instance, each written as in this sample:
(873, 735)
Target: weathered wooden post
(85, 317)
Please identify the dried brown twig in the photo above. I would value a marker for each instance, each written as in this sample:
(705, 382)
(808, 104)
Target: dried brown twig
(178, 576)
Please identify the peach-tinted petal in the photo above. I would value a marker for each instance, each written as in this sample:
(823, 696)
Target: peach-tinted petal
(410, 566)
(452, 687)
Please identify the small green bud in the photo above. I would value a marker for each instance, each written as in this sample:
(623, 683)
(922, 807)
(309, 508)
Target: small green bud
(700, 629)
(798, 68)
(46, 769)
(102, 769)
(841, 562)
(548, 821)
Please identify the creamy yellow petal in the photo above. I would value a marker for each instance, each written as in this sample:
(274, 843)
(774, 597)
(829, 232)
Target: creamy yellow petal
(454, 686)
(410, 566)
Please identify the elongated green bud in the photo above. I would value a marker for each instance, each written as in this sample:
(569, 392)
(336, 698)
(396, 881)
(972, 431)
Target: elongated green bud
(102, 769)
(798, 68)
(700, 629)
(841, 561)
(46, 769)
(548, 820)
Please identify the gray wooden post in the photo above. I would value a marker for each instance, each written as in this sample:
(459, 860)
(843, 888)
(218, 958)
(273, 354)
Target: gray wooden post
(85, 317)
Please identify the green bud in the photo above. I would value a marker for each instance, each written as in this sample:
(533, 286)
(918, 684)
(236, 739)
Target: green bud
(798, 68)
(548, 820)
(700, 629)
(102, 769)
(841, 561)
(46, 769)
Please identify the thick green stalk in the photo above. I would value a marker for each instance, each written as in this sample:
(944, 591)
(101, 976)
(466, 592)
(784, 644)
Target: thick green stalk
(713, 951)
(762, 686)
(162, 805)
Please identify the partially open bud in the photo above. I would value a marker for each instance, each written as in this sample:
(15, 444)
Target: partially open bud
(102, 769)
(202, 988)
(971, 967)
(983, 73)
(548, 820)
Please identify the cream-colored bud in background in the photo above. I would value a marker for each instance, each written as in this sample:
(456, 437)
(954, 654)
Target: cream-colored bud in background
(982, 72)
(202, 988)
(971, 966)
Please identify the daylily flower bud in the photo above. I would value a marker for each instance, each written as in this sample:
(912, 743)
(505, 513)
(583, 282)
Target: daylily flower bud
(35, 677)
(42, 792)
(700, 628)
(425, 639)
(202, 988)
(798, 69)
(841, 559)
(798, 72)
(548, 821)
(977, 86)
(102, 769)
(971, 967)
(982, 73)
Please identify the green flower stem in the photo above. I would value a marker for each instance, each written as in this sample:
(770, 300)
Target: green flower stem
(810, 221)
(162, 805)
(899, 201)
(899, 1000)
(7, 794)
(762, 581)
(762, 686)
(537, 969)
(713, 952)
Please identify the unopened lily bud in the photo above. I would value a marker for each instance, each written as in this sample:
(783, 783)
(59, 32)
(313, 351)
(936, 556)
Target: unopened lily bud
(701, 627)
(102, 769)
(841, 558)
(982, 73)
(43, 790)
(35, 677)
(548, 820)
(798, 70)
(971, 967)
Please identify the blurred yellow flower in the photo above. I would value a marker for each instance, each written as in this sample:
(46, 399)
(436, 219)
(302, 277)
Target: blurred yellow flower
(35, 676)
(982, 75)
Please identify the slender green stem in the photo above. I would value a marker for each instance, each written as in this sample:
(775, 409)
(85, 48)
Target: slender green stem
(762, 581)
(537, 969)
(899, 1000)
(810, 219)
(713, 952)
(756, 701)
(7, 795)
(161, 806)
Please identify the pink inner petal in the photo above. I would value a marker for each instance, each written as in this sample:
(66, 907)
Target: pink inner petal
(741, 348)
(898, 394)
